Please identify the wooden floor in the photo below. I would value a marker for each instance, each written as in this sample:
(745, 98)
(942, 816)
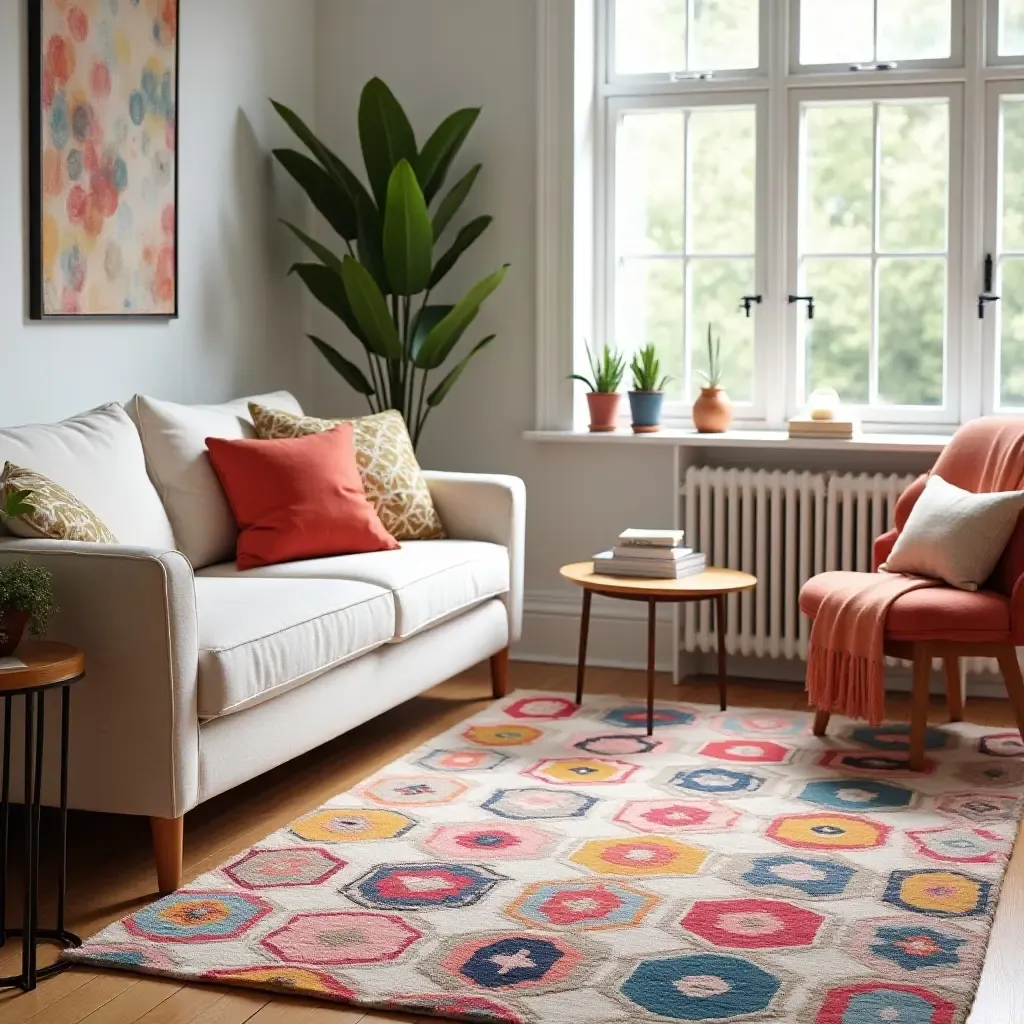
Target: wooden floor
(111, 872)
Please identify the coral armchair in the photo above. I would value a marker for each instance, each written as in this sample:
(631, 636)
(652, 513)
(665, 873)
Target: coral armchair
(985, 455)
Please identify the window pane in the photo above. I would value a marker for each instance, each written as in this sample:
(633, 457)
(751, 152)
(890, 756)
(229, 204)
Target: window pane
(650, 36)
(911, 330)
(649, 187)
(913, 176)
(1011, 27)
(649, 308)
(1011, 340)
(838, 205)
(1012, 183)
(714, 290)
(838, 340)
(836, 33)
(722, 170)
(914, 29)
(724, 35)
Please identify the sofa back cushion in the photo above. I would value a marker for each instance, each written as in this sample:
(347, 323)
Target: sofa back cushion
(174, 439)
(97, 456)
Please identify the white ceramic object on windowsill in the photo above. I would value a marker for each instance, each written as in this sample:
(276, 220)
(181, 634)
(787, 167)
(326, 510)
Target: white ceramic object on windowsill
(823, 404)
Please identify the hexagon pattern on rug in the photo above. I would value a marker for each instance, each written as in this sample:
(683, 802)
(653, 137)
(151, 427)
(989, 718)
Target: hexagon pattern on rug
(546, 863)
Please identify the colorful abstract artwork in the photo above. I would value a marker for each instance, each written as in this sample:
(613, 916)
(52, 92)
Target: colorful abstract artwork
(103, 176)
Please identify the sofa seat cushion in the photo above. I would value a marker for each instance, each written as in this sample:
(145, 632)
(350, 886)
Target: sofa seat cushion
(260, 637)
(431, 580)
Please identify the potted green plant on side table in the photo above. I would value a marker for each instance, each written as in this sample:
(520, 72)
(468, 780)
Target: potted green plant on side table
(603, 398)
(26, 600)
(712, 411)
(648, 394)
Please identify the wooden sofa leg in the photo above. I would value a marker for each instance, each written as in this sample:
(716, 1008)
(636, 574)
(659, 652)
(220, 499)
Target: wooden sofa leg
(499, 673)
(821, 722)
(168, 836)
(1010, 668)
(954, 688)
(919, 705)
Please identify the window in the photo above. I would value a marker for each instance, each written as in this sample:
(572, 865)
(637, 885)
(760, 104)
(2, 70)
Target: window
(810, 179)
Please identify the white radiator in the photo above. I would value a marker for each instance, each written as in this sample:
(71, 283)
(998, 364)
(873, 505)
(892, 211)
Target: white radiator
(783, 527)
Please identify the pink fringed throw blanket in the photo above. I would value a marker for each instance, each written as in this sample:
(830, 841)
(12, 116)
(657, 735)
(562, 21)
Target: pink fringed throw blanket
(846, 663)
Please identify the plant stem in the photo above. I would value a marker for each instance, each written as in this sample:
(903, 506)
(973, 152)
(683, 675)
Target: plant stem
(421, 413)
(408, 371)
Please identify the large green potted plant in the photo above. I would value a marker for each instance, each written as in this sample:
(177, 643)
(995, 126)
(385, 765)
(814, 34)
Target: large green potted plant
(648, 393)
(606, 373)
(383, 285)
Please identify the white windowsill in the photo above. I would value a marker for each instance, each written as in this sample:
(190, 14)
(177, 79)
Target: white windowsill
(672, 437)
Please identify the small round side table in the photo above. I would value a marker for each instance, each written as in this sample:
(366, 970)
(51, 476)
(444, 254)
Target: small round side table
(47, 666)
(712, 584)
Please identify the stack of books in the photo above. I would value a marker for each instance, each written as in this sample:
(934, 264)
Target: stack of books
(656, 554)
(838, 430)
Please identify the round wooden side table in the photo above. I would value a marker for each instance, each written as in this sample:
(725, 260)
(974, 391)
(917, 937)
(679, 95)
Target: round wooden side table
(47, 666)
(711, 585)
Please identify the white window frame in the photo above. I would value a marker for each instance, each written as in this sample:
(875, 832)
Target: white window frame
(992, 56)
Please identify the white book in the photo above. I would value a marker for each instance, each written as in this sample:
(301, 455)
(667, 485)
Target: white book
(647, 573)
(610, 565)
(657, 553)
(652, 538)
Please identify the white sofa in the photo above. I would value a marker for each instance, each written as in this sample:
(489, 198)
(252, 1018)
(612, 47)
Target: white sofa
(201, 677)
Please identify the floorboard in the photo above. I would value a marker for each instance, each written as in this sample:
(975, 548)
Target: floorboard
(111, 872)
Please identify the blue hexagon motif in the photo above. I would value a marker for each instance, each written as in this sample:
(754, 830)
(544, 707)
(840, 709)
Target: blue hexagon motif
(423, 886)
(896, 736)
(938, 893)
(812, 876)
(705, 986)
(198, 916)
(712, 781)
(462, 760)
(913, 947)
(535, 803)
(857, 795)
(616, 746)
(635, 717)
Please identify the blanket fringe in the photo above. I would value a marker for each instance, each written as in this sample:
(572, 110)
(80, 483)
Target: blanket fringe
(848, 684)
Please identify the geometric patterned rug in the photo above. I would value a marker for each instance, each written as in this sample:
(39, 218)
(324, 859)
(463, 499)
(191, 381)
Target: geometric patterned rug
(547, 863)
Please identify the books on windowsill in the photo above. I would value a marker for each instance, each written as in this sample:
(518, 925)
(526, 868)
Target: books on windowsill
(803, 427)
(654, 554)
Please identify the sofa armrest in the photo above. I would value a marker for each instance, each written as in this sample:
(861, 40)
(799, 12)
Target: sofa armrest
(134, 745)
(476, 506)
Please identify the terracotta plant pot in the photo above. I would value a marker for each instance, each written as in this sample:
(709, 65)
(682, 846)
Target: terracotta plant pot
(712, 412)
(645, 407)
(604, 410)
(12, 628)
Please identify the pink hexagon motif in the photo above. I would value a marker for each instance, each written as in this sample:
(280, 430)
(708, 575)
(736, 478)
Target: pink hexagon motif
(542, 708)
(1002, 744)
(345, 937)
(580, 771)
(981, 806)
(668, 817)
(960, 845)
(747, 751)
(752, 923)
(478, 840)
(413, 790)
(294, 865)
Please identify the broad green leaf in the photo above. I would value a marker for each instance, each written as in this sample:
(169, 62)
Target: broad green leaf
(465, 238)
(408, 236)
(328, 289)
(370, 309)
(308, 137)
(385, 135)
(455, 198)
(354, 377)
(322, 253)
(441, 149)
(438, 395)
(445, 335)
(16, 504)
(423, 323)
(324, 190)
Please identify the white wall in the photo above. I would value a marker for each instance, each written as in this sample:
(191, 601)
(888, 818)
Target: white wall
(240, 322)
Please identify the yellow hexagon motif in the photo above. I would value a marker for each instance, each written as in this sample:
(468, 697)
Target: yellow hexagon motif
(502, 735)
(580, 771)
(647, 855)
(351, 825)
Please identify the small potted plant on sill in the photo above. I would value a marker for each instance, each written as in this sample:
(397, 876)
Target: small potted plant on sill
(712, 411)
(603, 398)
(648, 394)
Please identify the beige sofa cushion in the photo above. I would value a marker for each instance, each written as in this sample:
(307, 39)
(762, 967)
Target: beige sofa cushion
(97, 457)
(174, 439)
(260, 638)
(432, 580)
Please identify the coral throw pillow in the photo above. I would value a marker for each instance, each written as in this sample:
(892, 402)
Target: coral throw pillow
(297, 498)
(392, 477)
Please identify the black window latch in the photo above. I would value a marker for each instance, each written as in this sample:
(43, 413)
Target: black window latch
(748, 302)
(809, 299)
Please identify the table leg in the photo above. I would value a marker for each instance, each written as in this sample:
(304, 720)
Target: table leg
(62, 853)
(652, 617)
(5, 806)
(27, 934)
(35, 821)
(720, 630)
(581, 664)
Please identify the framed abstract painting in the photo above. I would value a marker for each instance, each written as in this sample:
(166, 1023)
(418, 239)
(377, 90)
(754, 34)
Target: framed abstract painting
(103, 169)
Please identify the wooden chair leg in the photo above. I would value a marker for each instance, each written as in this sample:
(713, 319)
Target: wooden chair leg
(954, 688)
(168, 837)
(821, 722)
(919, 706)
(499, 673)
(1010, 668)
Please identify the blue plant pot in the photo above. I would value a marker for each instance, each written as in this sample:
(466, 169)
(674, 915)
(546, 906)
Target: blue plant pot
(645, 407)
